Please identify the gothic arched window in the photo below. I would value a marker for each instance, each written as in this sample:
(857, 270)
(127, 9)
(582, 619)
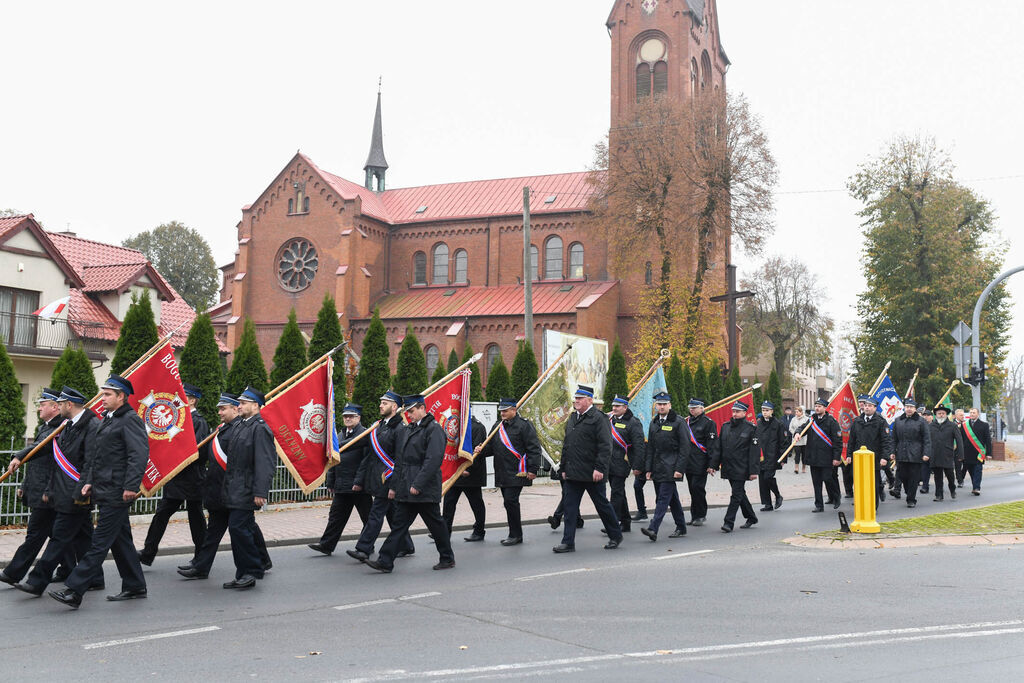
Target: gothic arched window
(433, 355)
(440, 272)
(461, 267)
(305, 205)
(493, 352)
(651, 68)
(419, 268)
(705, 70)
(575, 261)
(694, 78)
(553, 258)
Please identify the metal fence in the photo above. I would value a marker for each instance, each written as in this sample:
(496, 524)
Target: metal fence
(13, 513)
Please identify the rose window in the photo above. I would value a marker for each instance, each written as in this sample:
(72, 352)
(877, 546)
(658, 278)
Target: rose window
(297, 263)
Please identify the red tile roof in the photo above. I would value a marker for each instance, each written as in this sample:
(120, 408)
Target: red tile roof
(548, 298)
(10, 222)
(111, 278)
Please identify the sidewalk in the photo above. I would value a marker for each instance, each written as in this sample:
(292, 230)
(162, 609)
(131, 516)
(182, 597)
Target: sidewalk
(303, 523)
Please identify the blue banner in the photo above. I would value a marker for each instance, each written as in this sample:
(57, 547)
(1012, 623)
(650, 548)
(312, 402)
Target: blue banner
(890, 405)
(642, 404)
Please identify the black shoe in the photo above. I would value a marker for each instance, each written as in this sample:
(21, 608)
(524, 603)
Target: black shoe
(579, 522)
(697, 522)
(624, 529)
(405, 553)
(952, 494)
(97, 586)
(937, 499)
(640, 516)
(128, 595)
(563, 548)
(613, 544)
(187, 566)
(444, 564)
(835, 505)
(849, 495)
(68, 597)
(357, 555)
(924, 489)
(881, 494)
(26, 588)
(268, 565)
(749, 523)
(193, 573)
(778, 502)
(818, 509)
(895, 494)
(604, 531)
(474, 538)
(6, 579)
(147, 559)
(243, 583)
(911, 504)
(678, 533)
(649, 534)
(512, 540)
(727, 528)
(767, 508)
(555, 522)
(374, 564)
(319, 547)
(976, 492)
(960, 484)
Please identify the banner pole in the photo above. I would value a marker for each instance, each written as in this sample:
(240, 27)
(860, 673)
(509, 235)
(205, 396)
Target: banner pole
(948, 391)
(912, 381)
(662, 356)
(737, 395)
(878, 382)
(284, 385)
(808, 425)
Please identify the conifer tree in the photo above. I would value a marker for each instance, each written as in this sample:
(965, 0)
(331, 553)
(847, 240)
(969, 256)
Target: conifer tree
(411, 370)
(499, 382)
(716, 387)
(74, 369)
(615, 381)
(374, 377)
(476, 390)
(774, 393)
(453, 360)
(524, 370)
(200, 365)
(674, 380)
(439, 373)
(12, 408)
(327, 335)
(138, 334)
(687, 385)
(290, 354)
(733, 383)
(247, 368)
(700, 384)
(758, 394)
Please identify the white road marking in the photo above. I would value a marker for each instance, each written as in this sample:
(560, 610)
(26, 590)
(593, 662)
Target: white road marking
(675, 555)
(544, 576)
(417, 596)
(154, 636)
(366, 604)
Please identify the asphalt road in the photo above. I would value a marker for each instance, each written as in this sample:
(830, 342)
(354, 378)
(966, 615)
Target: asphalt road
(712, 606)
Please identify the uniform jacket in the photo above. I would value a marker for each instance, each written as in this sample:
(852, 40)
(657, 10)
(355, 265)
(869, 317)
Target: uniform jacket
(911, 438)
(188, 484)
(252, 460)
(667, 445)
(705, 431)
(817, 452)
(524, 439)
(737, 453)
(587, 446)
(118, 458)
(478, 470)
(372, 467)
(629, 427)
(947, 447)
(75, 442)
(342, 477)
(984, 434)
(39, 470)
(213, 482)
(772, 439)
(419, 452)
(873, 434)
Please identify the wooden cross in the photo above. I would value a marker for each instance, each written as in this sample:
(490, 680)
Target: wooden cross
(730, 297)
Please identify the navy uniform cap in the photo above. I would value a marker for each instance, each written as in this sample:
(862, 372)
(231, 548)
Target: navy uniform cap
(821, 402)
(909, 402)
(620, 400)
(352, 409)
(192, 390)
(71, 395)
(583, 391)
(696, 403)
(253, 396)
(393, 397)
(412, 400)
(227, 400)
(740, 405)
(118, 383)
(662, 397)
(48, 395)
(506, 403)
(768, 404)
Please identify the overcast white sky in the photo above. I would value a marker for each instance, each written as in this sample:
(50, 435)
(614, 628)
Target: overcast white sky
(121, 116)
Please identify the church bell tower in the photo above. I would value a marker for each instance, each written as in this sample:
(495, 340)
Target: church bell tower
(376, 165)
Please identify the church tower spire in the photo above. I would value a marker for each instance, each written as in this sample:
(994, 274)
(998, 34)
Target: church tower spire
(376, 164)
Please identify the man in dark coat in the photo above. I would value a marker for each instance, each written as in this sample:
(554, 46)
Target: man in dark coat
(376, 469)
(666, 462)
(586, 456)
(737, 456)
(252, 460)
(471, 483)
(72, 525)
(870, 431)
(822, 454)
(628, 449)
(517, 458)
(911, 437)
(341, 480)
(33, 492)
(112, 477)
(702, 434)
(771, 437)
(947, 451)
(185, 489)
(977, 440)
(416, 486)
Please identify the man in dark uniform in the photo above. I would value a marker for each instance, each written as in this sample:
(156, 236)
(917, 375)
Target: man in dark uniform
(822, 453)
(341, 480)
(586, 453)
(471, 482)
(516, 451)
(72, 525)
(186, 488)
(977, 438)
(415, 486)
(737, 455)
(666, 462)
(628, 453)
(33, 492)
(912, 441)
(703, 437)
(870, 431)
(376, 469)
(946, 452)
(770, 435)
(112, 477)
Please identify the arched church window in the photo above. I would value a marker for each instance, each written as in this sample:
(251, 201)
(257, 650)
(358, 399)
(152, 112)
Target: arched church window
(493, 352)
(694, 77)
(305, 205)
(651, 69)
(575, 261)
(648, 274)
(419, 268)
(291, 206)
(534, 258)
(461, 267)
(705, 70)
(440, 272)
(553, 258)
(433, 355)
(297, 263)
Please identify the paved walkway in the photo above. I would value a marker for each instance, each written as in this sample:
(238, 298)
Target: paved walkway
(303, 523)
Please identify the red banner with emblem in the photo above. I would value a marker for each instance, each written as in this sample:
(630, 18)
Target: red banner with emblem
(723, 414)
(844, 409)
(302, 420)
(160, 401)
(449, 404)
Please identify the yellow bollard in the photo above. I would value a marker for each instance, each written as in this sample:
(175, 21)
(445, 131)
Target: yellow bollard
(864, 493)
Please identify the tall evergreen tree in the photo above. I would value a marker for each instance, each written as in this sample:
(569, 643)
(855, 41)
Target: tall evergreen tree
(247, 368)
(499, 382)
(374, 377)
(74, 369)
(524, 370)
(411, 371)
(674, 380)
(439, 373)
(327, 335)
(12, 408)
(758, 394)
(733, 383)
(138, 334)
(687, 385)
(715, 385)
(774, 393)
(453, 361)
(200, 365)
(700, 384)
(476, 390)
(615, 381)
(290, 354)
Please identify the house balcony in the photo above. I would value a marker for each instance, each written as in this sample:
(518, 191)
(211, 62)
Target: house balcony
(24, 334)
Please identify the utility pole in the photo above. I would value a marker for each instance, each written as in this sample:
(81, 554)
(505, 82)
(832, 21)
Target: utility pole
(976, 340)
(527, 270)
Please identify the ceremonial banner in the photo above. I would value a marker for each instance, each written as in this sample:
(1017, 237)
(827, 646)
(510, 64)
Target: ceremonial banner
(302, 420)
(844, 409)
(586, 363)
(723, 414)
(449, 404)
(547, 408)
(890, 406)
(642, 403)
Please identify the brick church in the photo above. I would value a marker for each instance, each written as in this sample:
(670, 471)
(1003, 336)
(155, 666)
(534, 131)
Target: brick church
(447, 259)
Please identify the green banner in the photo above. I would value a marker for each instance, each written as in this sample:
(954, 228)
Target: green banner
(547, 409)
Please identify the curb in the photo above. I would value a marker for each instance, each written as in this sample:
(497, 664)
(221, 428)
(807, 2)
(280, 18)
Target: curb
(904, 541)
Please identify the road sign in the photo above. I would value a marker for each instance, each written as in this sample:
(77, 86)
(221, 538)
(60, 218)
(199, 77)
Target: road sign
(962, 360)
(961, 333)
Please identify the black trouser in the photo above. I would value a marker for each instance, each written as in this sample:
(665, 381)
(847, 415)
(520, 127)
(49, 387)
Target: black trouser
(638, 492)
(40, 528)
(668, 499)
(113, 533)
(405, 515)
(739, 501)
(341, 511)
(382, 508)
(218, 525)
(950, 474)
(962, 470)
(617, 485)
(510, 495)
(697, 484)
(767, 485)
(475, 496)
(572, 494)
(798, 455)
(847, 471)
(909, 474)
(164, 509)
(245, 548)
(824, 475)
(71, 531)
